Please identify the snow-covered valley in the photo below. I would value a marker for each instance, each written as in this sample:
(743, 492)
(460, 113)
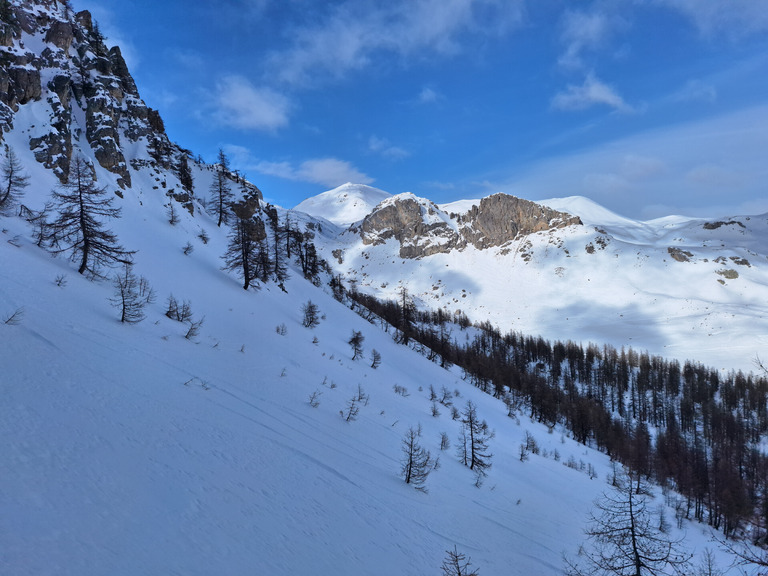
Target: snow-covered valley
(130, 449)
(259, 445)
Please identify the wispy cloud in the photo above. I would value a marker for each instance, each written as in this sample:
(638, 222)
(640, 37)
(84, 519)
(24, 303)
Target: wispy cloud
(428, 95)
(592, 92)
(678, 169)
(696, 90)
(190, 59)
(330, 172)
(386, 149)
(240, 104)
(733, 18)
(352, 36)
(582, 31)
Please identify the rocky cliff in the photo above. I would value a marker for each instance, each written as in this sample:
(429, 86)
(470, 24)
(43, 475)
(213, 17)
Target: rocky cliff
(56, 61)
(422, 228)
(500, 218)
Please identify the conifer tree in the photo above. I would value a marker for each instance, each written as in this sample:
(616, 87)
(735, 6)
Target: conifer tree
(473, 447)
(356, 342)
(131, 296)
(13, 182)
(457, 564)
(185, 174)
(311, 315)
(220, 188)
(624, 540)
(79, 228)
(375, 358)
(416, 462)
(242, 254)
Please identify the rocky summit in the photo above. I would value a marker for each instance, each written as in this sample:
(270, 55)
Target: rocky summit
(423, 229)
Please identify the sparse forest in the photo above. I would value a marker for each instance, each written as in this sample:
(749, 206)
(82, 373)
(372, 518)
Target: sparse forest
(692, 429)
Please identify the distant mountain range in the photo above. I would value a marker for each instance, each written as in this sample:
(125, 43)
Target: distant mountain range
(563, 268)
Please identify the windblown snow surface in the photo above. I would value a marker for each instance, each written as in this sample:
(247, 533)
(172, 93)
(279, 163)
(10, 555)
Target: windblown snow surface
(128, 449)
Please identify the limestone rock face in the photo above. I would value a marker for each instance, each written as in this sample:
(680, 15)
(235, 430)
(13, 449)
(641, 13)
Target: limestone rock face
(423, 229)
(22, 84)
(60, 34)
(500, 218)
(80, 73)
(417, 224)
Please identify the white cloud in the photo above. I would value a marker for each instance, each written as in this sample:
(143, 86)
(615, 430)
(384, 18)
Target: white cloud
(638, 167)
(714, 177)
(189, 59)
(696, 90)
(330, 172)
(240, 157)
(352, 35)
(592, 92)
(730, 17)
(383, 147)
(437, 185)
(428, 95)
(240, 104)
(710, 168)
(581, 31)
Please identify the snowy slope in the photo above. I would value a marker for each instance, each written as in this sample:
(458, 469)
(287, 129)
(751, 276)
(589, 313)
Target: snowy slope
(130, 449)
(684, 288)
(344, 205)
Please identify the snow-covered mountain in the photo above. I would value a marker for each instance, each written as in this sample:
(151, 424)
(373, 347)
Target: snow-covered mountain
(146, 449)
(679, 287)
(344, 205)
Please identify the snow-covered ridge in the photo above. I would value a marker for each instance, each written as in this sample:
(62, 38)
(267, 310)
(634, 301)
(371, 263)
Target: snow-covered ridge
(689, 288)
(345, 205)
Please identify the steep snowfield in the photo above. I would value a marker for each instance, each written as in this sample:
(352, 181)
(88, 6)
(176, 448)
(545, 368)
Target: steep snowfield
(684, 288)
(344, 205)
(128, 449)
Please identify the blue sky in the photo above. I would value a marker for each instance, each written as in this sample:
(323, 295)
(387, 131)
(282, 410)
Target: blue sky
(648, 107)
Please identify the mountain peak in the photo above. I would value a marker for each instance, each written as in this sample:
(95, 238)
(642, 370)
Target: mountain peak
(344, 205)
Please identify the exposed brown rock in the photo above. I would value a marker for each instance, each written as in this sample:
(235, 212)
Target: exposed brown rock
(679, 254)
(403, 220)
(500, 218)
(85, 20)
(497, 220)
(60, 34)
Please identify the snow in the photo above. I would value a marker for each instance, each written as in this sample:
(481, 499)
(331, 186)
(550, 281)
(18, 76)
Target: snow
(129, 449)
(612, 280)
(460, 206)
(590, 212)
(345, 205)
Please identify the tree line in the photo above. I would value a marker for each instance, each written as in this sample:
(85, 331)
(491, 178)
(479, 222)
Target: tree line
(692, 429)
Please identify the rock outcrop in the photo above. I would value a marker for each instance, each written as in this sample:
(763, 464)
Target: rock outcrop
(500, 218)
(423, 229)
(74, 70)
(414, 222)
